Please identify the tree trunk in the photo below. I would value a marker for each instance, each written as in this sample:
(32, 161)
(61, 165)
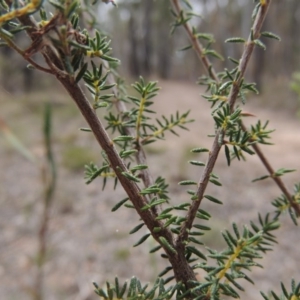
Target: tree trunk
(165, 42)
(134, 61)
(147, 38)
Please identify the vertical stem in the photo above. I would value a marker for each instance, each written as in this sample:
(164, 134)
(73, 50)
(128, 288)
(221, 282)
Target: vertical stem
(49, 178)
(198, 48)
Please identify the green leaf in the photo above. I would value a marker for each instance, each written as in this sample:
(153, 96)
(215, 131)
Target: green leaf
(275, 296)
(165, 271)
(235, 40)
(194, 240)
(236, 231)
(187, 182)
(130, 177)
(215, 182)
(132, 287)
(213, 199)
(136, 228)
(261, 178)
(195, 251)
(119, 204)
(270, 35)
(227, 154)
(225, 85)
(186, 48)
(235, 61)
(138, 168)
(127, 153)
(165, 243)
(71, 9)
(293, 216)
(100, 105)
(117, 286)
(228, 241)
(264, 296)
(142, 239)
(163, 216)
(170, 221)
(199, 150)
(286, 294)
(157, 229)
(123, 138)
(260, 44)
(85, 129)
(201, 227)
(197, 163)
(79, 46)
(283, 171)
(155, 249)
(188, 4)
(6, 33)
(152, 204)
(214, 54)
(109, 58)
(150, 190)
(231, 279)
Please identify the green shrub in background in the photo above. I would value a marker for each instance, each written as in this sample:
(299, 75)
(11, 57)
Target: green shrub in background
(76, 55)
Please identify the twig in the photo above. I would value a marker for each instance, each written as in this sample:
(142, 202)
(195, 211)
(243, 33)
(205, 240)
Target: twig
(183, 271)
(11, 44)
(277, 179)
(196, 44)
(242, 67)
(140, 155)
(202, 184)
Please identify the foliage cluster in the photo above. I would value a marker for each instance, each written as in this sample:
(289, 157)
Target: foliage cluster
(74, 56)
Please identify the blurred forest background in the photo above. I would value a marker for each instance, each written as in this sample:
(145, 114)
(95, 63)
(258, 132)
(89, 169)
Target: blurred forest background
(142, 40)
(85, 241)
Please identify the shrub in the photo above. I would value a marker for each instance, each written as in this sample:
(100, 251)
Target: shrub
(75, 55)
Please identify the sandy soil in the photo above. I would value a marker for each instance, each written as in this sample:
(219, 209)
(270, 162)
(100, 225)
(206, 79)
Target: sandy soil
(89, 243)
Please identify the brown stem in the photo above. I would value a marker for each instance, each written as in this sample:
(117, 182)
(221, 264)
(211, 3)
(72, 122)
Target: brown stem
(277, 179)
(42, 251)
(196, 44)
(248, 50)
(12, 45)
(183, 271)
(202, 184)
(234, 91)
(140, 155)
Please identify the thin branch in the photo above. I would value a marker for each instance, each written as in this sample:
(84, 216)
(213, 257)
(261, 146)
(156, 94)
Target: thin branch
(182, 270)
(202, 184)
(49, 176)
(248, 50)
(12, 45)
(234, 91)
(277, 179)
(140, 155)
(196, 44)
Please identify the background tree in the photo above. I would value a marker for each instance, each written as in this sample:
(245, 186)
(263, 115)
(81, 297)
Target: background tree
(73, 55)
